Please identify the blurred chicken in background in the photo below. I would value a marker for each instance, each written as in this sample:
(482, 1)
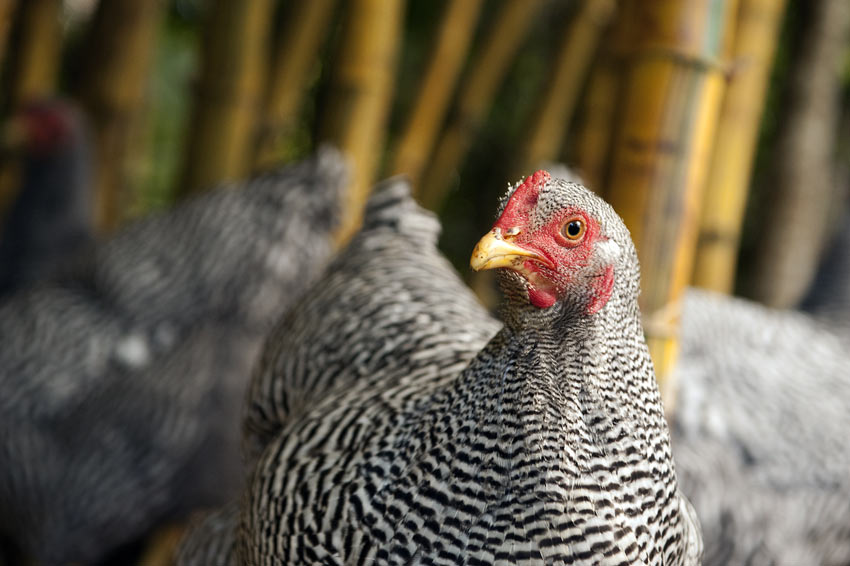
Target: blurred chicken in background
(122, 379)
(51, 217)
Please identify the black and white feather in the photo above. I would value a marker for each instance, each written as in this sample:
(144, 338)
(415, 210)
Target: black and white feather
(759, 433)
(391, 422)
(121, 385)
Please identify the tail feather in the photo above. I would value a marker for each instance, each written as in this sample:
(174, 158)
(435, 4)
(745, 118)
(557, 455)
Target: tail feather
(392, 206)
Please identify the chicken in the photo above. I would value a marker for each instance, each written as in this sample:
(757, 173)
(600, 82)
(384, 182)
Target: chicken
(121, 383)
(388, 306)
(51, 218)
(762, 415)
(760, 432)
(760, 429)
(762, 407)
(549, 446)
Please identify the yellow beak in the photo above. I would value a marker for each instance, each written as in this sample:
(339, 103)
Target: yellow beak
(493, 251)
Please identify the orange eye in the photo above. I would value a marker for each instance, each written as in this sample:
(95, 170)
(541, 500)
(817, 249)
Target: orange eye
(573, 229)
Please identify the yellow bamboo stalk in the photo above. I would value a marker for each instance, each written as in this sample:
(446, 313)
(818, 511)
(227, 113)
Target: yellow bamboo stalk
(487, 70)
(593, 138)
(294, 56)
(162, 545)
(36, 51)
(7, 9)
(228, 93)
(757, 30)
(361, 91)
(118, 63)
(554, 110)
(600, 106)
(34, 62)
(673, 90)
(429, 110)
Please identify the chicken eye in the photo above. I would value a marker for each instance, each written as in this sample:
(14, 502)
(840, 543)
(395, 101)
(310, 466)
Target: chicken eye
(573, 229)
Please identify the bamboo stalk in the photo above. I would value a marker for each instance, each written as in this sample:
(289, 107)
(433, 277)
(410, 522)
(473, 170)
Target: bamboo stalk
(487, 70)
(673, 91)
(361, 92)
(34, 61)
(757, 30)
(449, 52)
(118, 63)
(294, 56)
(595, 131)
(163, 544)
(36, 50)
(600, 106)
(228, 93)
(554, 110)
(7, 9)
(801, 176)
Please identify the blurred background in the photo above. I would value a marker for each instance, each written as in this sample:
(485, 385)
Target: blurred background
(719, 129)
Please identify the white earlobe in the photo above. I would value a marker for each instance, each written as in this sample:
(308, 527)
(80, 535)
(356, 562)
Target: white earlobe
(608, 251)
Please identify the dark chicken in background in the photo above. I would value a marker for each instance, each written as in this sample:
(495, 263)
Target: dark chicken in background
(50, 220)
(121, 382)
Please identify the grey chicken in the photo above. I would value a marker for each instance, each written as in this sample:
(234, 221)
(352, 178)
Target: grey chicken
(760, 432)
(121, 383)
(760, 429)
(390, 307)
(549, 446)
(51, 218)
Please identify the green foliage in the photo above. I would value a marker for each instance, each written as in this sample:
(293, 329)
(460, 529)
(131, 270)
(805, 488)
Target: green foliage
(170, 100)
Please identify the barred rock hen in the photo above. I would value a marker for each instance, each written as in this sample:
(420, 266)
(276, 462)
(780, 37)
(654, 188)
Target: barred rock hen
(549, 447)
(51, 218)
(120, 387)
(390, 308)
(762, 418)
(760, 433)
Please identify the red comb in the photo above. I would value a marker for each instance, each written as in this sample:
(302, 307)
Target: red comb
(534, 182)
(524, 198)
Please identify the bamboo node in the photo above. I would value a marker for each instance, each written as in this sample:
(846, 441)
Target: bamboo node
(683, 57)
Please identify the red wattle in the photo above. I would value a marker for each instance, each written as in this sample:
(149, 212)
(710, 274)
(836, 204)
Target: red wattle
(540, 299)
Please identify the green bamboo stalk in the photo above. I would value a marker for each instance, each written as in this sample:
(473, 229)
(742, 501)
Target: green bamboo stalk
(756, 35)
(118, 63)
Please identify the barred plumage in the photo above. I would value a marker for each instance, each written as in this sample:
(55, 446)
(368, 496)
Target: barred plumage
(760, 432)
(120, 384)
(762, 407)
(761, 423)
(374, 444)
